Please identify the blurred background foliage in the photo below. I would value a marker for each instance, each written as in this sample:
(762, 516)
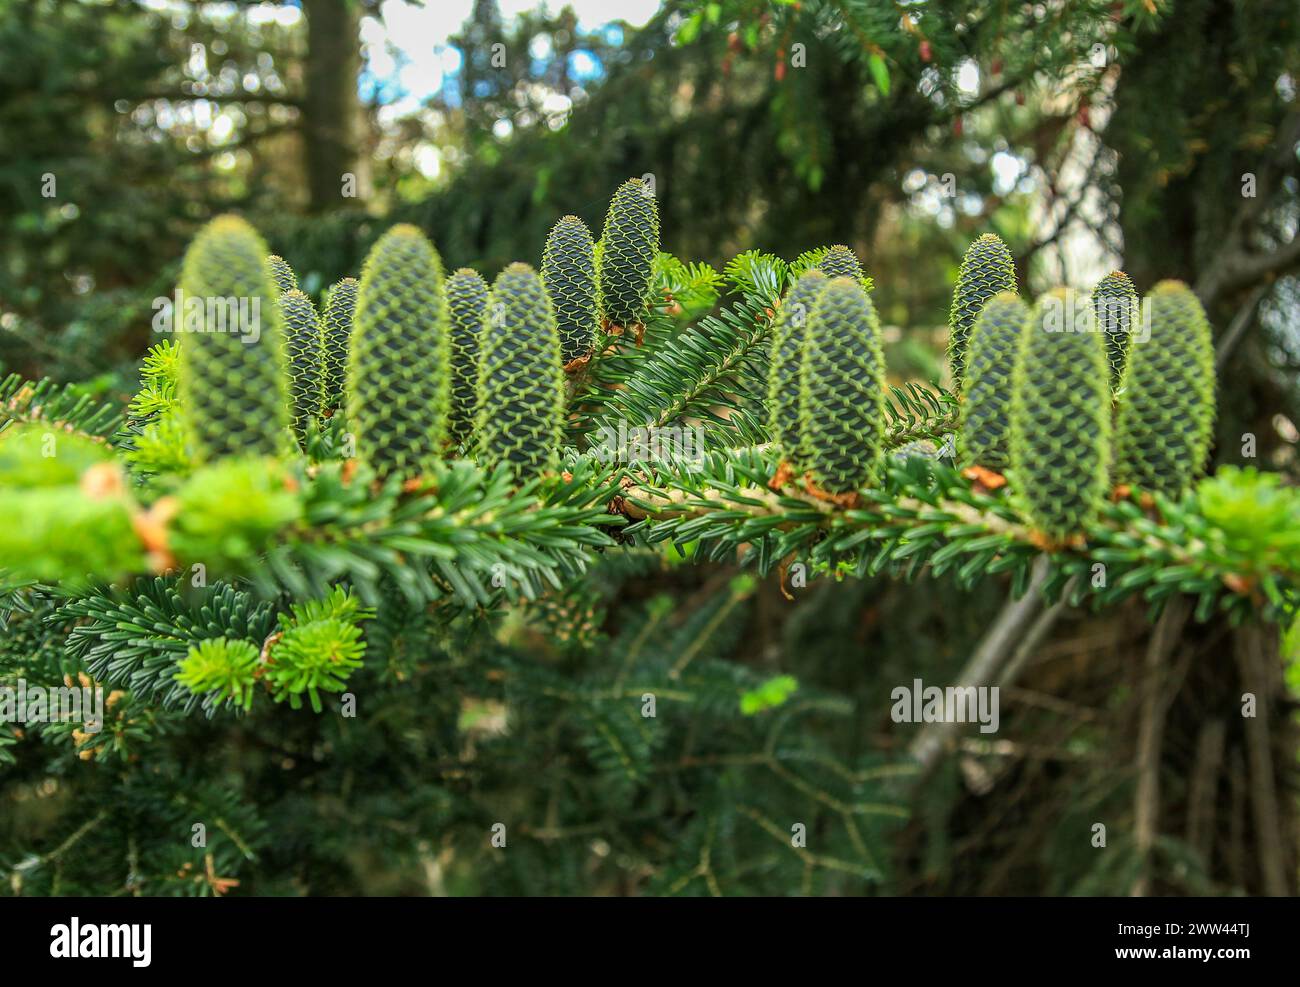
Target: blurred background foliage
(1160, 136)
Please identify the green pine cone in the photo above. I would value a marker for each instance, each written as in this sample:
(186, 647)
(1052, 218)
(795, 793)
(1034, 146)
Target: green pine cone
(629, 246)
(303, 345)
(233, 385)
(1115, 307)
(399, 368)
(336, 327)
(985, 430)
(467, 296)
(986, 270)
(569, 273)
(1060, 420)
(1165, 422)
(842, 389)
(281, 273)
(923, 449)
(841, 262)
(520, 380)
(789, 340)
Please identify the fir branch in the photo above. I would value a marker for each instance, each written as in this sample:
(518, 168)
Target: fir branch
(916, 413)
(64, 407)
(924, 513)
(719, 362)
(134, 638)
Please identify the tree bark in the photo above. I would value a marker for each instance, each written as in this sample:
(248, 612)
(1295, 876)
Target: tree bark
(1164, 639)
(1257, 659)
(331, 110)
(1202, 801)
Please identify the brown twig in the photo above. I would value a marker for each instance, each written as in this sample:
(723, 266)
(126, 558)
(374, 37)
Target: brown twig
(1151, 733)
(985, 664)
(1255, 653)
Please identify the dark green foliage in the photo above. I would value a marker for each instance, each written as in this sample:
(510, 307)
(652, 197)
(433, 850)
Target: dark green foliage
(301, 528)
(1115, 307)
(842, 389)
(575, 715)
(677, 375)
(1166, 396)
(336, 327)
(1060, 420)
(569, 273)
(303, 347)
(399, 367)
(133, 639)
(841, 262)
(985, 431)
(629, 245)
(281, 273)
(33, 641)
(467, 295)
(789, 340)
(140, 811)
(520, 388)
(233, 385)
(986, 269)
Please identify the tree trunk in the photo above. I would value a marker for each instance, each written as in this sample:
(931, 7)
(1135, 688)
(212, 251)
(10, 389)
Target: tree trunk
(331, 112)
(1256, 651)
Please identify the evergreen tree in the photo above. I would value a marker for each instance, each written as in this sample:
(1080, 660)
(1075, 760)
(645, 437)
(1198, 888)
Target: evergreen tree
(471, 611)
(468, 602)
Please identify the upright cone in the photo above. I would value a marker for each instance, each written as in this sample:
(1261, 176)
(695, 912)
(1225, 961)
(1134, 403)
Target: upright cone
(303, 347)
(1060, 420)
(398, 373)
(233, 384)
(789, 341)
(843, 389)
(521, 380)
(841, 262)
(281, 273)
(986, 270)
(1115, 307)
(336, 328)
(985, 431)
(629, 246)
(467, 296)
(569, 273)
(1165, 422)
